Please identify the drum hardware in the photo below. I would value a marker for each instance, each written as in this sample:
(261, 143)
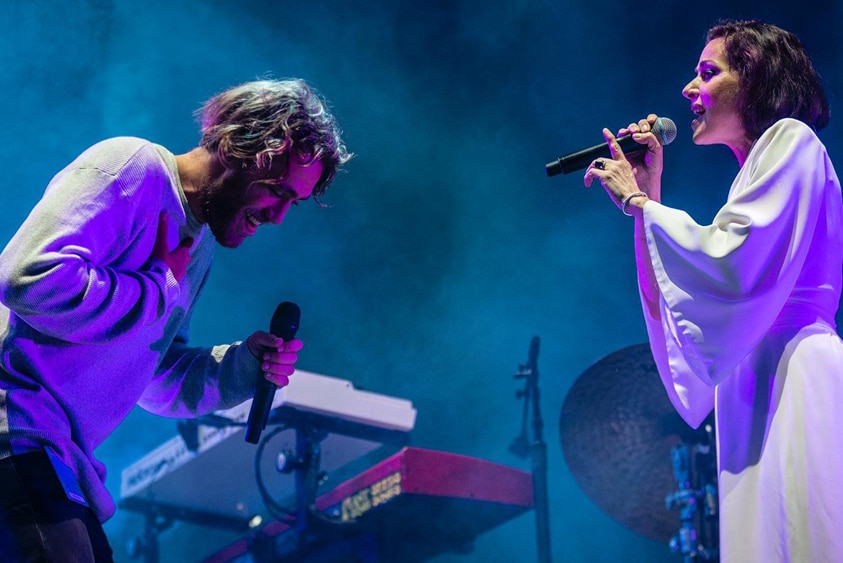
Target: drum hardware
(618, 430)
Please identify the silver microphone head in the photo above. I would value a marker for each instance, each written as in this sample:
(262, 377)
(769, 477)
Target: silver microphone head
(665, 130)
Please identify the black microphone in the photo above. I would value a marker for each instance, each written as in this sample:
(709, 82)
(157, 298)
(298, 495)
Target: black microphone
(664, 129)
(284, 324)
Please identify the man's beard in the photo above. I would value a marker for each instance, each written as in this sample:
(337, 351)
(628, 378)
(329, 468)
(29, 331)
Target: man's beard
(221, 203)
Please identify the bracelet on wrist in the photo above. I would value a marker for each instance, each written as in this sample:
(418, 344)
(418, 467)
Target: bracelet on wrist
(627, 199)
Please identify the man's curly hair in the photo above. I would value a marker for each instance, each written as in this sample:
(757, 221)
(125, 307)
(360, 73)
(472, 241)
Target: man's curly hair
(250, 125)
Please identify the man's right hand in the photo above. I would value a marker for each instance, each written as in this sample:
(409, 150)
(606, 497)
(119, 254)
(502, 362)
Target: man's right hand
(179, 257)
(278, 358)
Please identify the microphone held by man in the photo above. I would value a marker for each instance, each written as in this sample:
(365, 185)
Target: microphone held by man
(284, 325)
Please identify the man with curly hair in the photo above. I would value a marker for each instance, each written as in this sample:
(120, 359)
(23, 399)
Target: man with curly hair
(97, 287)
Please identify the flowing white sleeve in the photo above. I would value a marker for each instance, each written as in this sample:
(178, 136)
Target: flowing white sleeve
(721, 286)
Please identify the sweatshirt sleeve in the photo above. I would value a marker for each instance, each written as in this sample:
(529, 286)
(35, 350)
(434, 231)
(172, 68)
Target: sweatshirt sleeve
(78, 269)
(722, 286)
(192, 381)
(196, 381)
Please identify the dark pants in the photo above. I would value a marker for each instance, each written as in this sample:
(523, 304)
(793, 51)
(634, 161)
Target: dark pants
(38, 523)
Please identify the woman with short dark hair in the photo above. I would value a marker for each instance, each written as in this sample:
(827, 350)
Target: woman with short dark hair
(741, 312)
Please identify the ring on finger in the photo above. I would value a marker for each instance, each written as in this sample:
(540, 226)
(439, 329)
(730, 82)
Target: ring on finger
(600, 164)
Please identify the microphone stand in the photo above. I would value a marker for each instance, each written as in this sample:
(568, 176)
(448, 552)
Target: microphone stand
(537, 449)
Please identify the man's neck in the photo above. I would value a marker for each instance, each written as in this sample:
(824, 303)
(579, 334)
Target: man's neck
(196, 170)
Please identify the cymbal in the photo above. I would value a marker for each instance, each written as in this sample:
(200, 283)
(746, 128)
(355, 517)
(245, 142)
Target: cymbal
(617, 431)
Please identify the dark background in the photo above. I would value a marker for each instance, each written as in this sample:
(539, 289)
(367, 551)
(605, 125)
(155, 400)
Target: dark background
(445, 248)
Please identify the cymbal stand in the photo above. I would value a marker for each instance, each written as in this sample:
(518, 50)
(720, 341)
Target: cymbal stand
(537, 449)
(685, 541)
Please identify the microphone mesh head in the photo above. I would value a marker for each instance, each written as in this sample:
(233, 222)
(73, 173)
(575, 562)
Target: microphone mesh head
(665, 130)
(285, 320)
